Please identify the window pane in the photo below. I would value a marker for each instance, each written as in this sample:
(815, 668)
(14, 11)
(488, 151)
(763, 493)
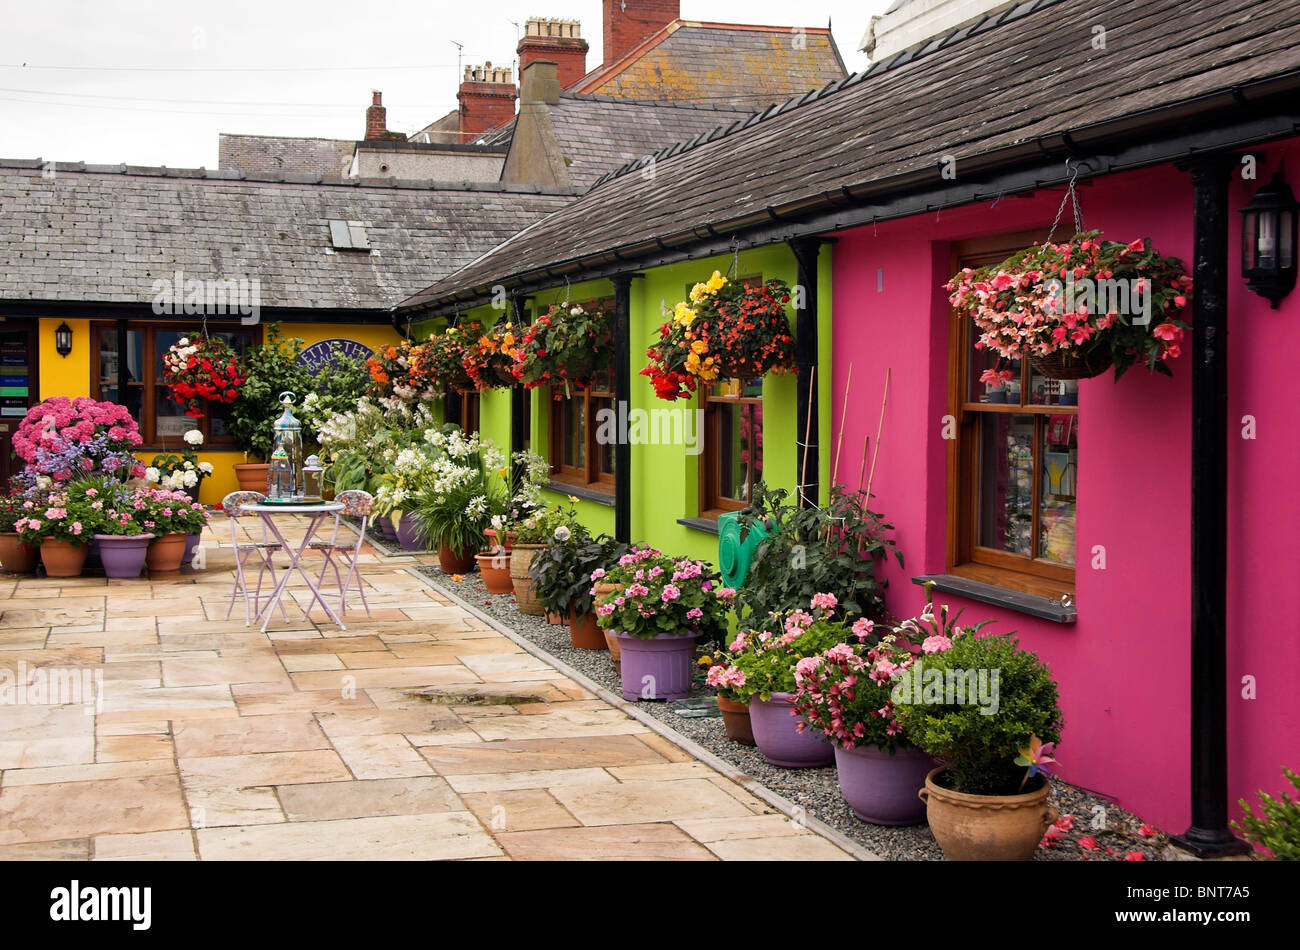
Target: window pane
(976, 363)
(1059, 477)
(1051, 392)
(171, 421)
(604, 447)
(108, 367)
(1006, 483)
(740, 448)
(573, 412)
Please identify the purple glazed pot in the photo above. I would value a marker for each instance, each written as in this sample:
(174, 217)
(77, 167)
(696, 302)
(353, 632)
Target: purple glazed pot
(123, 555)
(386, 528)
(659, 668)
(881, 788)
(191, 542)
(776, 738)
(408, 533)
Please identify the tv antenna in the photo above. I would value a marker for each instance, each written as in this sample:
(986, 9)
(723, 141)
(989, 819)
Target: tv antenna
(460, 50)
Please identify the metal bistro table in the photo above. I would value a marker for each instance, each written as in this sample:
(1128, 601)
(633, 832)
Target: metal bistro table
(319, 512)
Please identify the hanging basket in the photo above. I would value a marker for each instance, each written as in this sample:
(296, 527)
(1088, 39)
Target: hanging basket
(1066, 365)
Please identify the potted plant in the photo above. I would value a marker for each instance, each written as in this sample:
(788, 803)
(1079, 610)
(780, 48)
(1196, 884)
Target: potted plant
(562, 580)
(453, 497)
(62, 525)
(766, 663)
(490, 360)
(665, 605)
(171, 516)
(533, 533)
(1077, 308)
(567, 344)
(494, 566)
(726, 329)
(727, 679)
(846, 694)
(836, 547)
(272, 367)
(183, 471)
(17, 556)
(120, 536)
(61, 438)
(1276, 829)
(987, 710)
(201, 370)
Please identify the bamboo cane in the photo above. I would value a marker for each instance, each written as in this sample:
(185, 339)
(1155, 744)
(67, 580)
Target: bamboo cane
(879, 426)
(839, 442)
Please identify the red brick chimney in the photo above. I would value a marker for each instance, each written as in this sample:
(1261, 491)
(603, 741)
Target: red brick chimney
(559, 41)
(628, 22)
(487, 99)
(376, 118)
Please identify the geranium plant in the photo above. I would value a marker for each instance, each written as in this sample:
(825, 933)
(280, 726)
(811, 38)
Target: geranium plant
(161, 512)
(567, 344)
(1090, 301)
(59, 515)
(765, 661)
(61, 438)
(725, 329)
(201, 370)
(657, 594)
(490, 360)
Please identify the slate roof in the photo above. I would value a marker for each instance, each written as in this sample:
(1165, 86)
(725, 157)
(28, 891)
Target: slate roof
(720, 63)
(988, 92)
(600, 134)
(105, 233)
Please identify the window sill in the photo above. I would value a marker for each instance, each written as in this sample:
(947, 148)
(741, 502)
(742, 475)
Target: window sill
(1042, 607)
(581, 491)
(707, 525)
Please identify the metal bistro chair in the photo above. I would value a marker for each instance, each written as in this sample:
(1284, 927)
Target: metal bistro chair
(356, 504)
(233, 505)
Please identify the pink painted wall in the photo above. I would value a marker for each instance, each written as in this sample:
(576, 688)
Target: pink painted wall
(1124, 667)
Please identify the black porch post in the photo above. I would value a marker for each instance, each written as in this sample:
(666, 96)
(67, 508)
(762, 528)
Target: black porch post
(622, 402)
(518, 395)
(806, 457)
(1209, 834)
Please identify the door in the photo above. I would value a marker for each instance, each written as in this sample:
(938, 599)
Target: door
(18, 388)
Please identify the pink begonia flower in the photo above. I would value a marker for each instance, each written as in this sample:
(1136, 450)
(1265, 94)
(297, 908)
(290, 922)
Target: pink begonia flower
(824, 601)
(936, 644)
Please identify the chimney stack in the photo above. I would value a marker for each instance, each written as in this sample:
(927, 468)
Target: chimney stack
(559, 41)
(628, 22)
(487, 99)
(376, 118)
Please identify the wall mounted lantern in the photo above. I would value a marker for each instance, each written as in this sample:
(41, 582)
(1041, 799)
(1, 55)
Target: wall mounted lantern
(63, 339)
(1268, 241)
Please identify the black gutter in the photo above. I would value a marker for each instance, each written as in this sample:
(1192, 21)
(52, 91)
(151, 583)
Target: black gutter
(891, 200)
(622, 403)
(1209, 834)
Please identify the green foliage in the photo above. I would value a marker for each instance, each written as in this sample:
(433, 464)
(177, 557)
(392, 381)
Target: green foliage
(1277, 826)
(272, 368)
(839, 548)
(978, 748)
(540, 526)
(562, 573)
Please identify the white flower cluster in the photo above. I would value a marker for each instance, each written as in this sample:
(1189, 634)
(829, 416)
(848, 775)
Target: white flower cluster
(193, 437)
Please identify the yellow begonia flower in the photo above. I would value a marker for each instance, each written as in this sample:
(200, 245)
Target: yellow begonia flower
(699, 346)
(708, 370)
(683, 315)
(698, 293)
(693, 364)
(716, 282)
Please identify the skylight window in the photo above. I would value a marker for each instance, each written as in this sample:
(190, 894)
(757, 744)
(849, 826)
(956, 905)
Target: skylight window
(348, 235)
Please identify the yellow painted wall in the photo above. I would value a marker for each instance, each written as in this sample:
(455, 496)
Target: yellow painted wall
(70, 376)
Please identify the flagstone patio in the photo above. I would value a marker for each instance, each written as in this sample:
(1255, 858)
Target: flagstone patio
(417, 733)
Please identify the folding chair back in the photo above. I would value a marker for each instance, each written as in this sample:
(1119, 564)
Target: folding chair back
(356, 504)
(233, 505)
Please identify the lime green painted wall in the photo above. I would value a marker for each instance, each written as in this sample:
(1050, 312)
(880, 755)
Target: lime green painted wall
(665, 483)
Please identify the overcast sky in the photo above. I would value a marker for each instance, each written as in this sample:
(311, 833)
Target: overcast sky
(170, 75)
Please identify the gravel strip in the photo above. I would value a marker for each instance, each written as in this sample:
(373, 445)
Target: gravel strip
(816, 790)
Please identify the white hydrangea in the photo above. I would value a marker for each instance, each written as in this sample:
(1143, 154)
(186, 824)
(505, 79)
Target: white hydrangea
(152, 474)
(194, 437)
(205, 468)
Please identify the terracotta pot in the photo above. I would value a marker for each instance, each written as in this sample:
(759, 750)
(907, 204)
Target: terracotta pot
(252, 476)
(521, 558)
(495, 569)
(584, 632)
(17, 556)
(615, 654)
(491, 535)
(165, 553)
(63, 558)
(735, 716)
(986, 827)
(455, 562)
(555, 618)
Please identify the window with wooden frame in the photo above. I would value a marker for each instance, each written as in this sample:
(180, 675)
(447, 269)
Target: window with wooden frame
(463, 407)
(732, 461)
(577, 455)
(1013, 468)
(161, 419)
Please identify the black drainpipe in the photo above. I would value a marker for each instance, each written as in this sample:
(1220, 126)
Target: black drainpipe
(518, 396)
(622, 402)
(1209, 834)
(806, 457)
